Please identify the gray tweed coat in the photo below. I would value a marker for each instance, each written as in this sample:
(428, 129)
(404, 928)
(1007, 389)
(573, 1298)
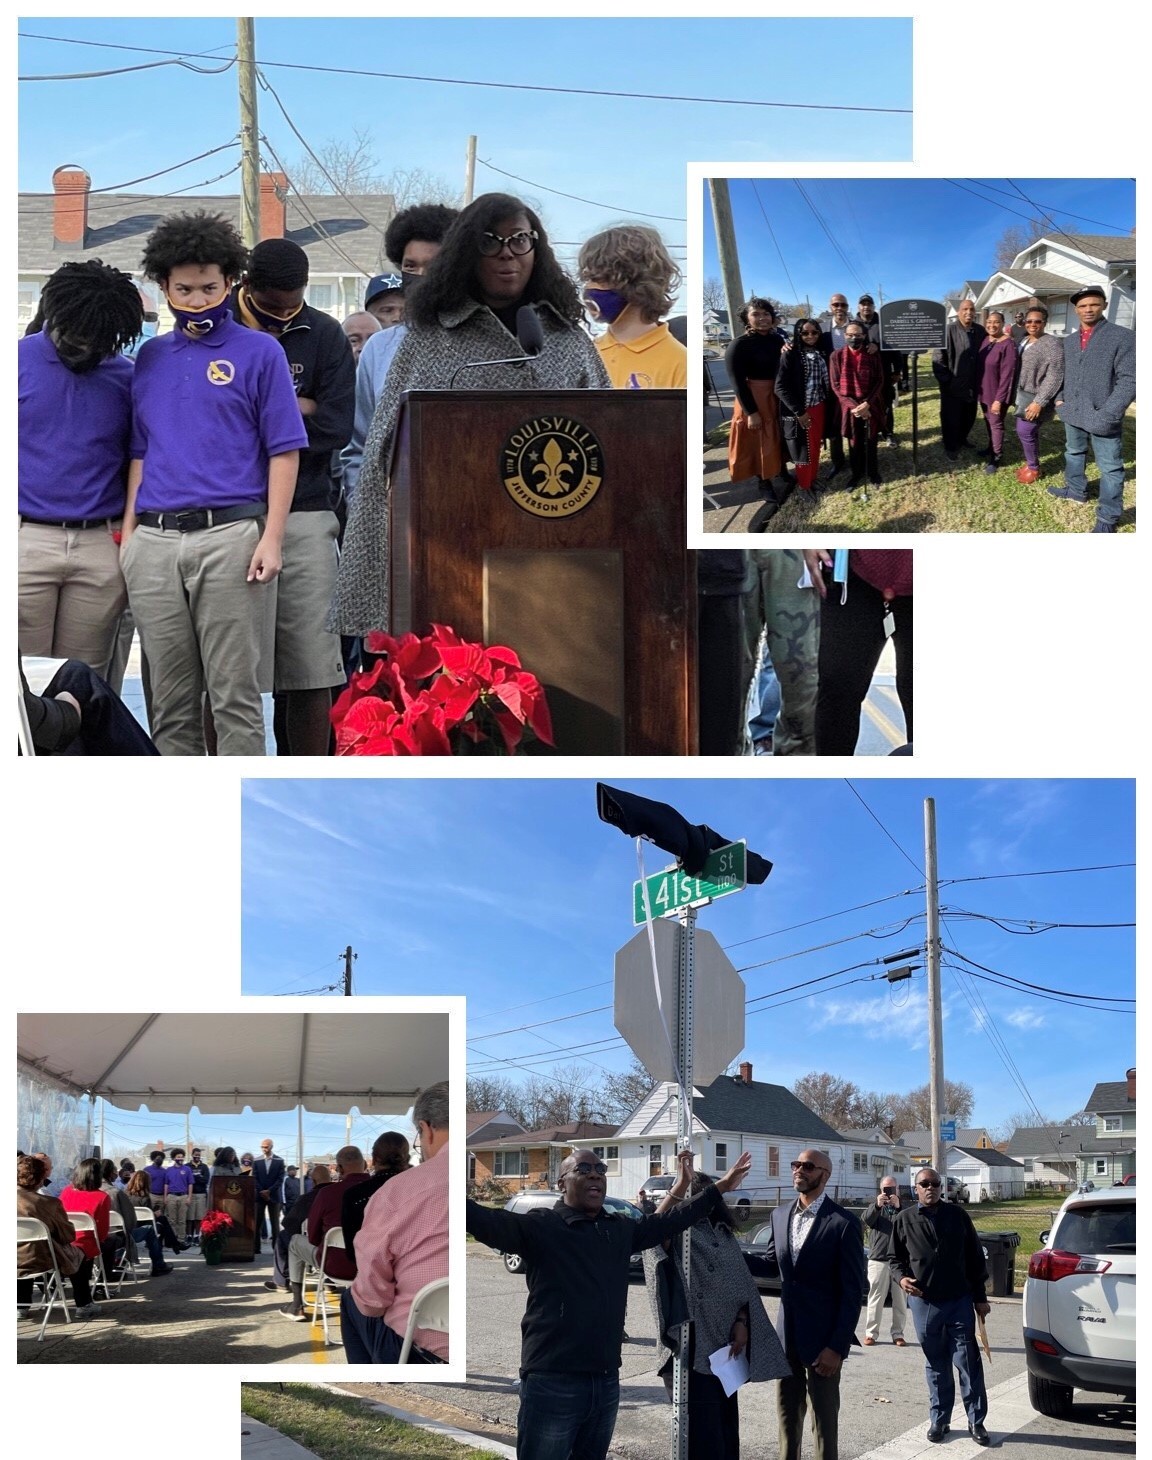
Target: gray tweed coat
(721, 1286)
(1041, 374)
(426, 360)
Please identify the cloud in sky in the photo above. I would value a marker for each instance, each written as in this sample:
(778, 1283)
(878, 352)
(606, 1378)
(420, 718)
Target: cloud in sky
(1025, 1019)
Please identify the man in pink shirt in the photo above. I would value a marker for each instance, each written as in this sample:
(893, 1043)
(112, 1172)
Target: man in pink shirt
(402, 1245)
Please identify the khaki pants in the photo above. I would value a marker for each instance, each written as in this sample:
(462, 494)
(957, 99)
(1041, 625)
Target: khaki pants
(176, 1210)
(71, 592)
(881, 1279)
(201, 626)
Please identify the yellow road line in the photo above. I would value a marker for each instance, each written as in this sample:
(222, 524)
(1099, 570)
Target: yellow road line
(887, 727)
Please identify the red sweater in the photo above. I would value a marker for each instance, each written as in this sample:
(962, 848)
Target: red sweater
(97, 1204)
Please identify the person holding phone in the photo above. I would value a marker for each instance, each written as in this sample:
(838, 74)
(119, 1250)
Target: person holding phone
(881, 1281)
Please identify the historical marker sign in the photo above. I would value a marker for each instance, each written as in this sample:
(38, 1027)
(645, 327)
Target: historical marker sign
(913, 324)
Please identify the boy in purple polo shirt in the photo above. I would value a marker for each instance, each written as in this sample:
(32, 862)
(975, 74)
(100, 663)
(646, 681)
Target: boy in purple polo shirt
(178, 1181)
(215, 447)
(74, 424)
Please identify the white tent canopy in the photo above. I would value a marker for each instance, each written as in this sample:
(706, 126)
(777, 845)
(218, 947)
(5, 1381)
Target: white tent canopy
(221, 1063)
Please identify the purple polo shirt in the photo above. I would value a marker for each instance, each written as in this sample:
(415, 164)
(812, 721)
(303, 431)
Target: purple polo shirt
(207, 415)
(156, 1178)
(178, 1180)
(74, 432)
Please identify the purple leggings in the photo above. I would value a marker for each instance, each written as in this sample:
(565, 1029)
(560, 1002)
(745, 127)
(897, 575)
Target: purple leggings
(995, 424)
(1029, 434)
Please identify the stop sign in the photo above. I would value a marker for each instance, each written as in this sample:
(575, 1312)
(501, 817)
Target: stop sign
(717, 1003)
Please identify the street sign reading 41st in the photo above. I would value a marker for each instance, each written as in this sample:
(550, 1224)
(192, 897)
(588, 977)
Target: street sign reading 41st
(672, 889)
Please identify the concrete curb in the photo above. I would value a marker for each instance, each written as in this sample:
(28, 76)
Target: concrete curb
(261, 1442)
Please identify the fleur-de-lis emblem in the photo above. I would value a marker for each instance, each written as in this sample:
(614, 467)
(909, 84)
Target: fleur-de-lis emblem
(553, 470)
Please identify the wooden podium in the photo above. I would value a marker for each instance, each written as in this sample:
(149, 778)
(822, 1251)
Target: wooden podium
(236, 1195)
(555, 522)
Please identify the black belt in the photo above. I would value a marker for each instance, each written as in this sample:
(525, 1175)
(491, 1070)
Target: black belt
(198, 521)
(71, 522)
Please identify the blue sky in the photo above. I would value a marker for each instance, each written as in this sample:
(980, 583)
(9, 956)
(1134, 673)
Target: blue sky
(513, 893)
(901, 236)
(627, 154)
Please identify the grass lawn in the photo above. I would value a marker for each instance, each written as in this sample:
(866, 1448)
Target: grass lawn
(954, 497)
(335, 1427)
(1029, 1216)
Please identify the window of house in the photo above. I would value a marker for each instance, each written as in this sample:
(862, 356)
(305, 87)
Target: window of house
(1038, 259)
(1029, 1165)
(610, 1155)
(1101, 1166)
(471, 1167)
(510, 1163)
(655, 1160)
(773, 1160)
(27, 298)
(721, 1155)
(1113, 1125)
(321, 296)
(859, 1160)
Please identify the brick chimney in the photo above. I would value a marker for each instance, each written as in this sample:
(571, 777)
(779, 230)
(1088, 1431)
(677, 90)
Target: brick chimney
(71, 185)
(746, 1072)
(273, 192)
(1132, 1086)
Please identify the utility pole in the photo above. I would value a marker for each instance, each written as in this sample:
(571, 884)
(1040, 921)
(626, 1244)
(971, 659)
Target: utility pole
(348, 957)
(249, 134)
(935, 1018)
(726, 249)
(470, 171)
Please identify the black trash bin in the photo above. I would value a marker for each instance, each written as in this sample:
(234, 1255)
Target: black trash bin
(999, 1250)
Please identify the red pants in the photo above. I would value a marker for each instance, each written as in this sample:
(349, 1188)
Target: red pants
(806, 474)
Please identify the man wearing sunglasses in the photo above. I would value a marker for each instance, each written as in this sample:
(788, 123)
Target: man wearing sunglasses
(576, 1260)
(818, 1248)
(939, 1261)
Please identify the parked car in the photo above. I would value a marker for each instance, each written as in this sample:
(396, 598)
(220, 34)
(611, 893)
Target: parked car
(527, 1201)
(1080, 1302)
(754, 1245)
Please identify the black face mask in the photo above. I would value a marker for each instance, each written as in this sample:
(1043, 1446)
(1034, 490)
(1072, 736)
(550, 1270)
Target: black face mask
(79, 360)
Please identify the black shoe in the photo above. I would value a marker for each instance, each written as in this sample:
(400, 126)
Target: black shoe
(834, 470)
(1067, 494)
(952, 456)
(276, 1287)
(992, 467)
(1100, 526)
(979, 1434)
(984, 451)
(937, 1431)
(165, 1267)
(853, 483)
(875, 478)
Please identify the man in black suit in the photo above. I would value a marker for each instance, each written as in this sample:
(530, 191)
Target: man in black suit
(269, 1173)
(819, 1251)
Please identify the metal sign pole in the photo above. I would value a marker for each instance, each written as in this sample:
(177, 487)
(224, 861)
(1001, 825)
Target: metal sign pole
(687, 972)
(915, 408)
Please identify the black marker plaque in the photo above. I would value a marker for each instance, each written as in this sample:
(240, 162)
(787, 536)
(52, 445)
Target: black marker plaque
(912, 324)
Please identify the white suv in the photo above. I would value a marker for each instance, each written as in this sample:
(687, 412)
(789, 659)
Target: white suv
(1080, 1302)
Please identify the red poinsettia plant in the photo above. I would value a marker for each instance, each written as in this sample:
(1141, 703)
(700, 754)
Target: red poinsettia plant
(214, 1226)
(439, 695)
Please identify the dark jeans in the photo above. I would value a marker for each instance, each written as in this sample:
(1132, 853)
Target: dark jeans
(805, 1391)
(851, 640)
(957, 417)
(371, 1341)
(567, 1416)
(724, 672)
(273, 1210)
(107, 726)
(150, 1238)
(947, 1334)
(1109, 454)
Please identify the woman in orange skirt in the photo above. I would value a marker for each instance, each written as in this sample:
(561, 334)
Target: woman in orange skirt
(755, 448)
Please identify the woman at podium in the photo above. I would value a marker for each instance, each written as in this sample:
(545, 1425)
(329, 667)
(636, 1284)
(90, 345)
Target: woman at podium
(468, 330)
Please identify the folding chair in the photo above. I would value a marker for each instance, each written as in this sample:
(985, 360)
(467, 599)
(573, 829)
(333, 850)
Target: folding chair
(429, 1310)
(84, 1222)
(127, 1267)
(333, 1238)
(32, 1229)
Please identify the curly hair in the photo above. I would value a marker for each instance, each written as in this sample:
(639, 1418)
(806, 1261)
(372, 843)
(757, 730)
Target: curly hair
(390, 1153)
(701, 1181)
(139, 1188)
(193, 238)
(756, 303)
(93, 302)
(30, 1173)
(451, 278)
(632, 259)
(426, 221)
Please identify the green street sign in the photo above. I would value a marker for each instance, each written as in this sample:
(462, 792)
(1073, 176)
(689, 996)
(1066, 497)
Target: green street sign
(672, 889)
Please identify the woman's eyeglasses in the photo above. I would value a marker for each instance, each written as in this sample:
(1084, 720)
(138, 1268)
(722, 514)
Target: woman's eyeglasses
(517, 243)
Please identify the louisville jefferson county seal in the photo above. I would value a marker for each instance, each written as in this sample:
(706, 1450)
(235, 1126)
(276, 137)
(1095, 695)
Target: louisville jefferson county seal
(552, 466)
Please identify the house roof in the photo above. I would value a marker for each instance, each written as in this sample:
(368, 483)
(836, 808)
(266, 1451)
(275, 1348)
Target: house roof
(1110, 248)
(554, 1135)
(1039, 1141)
(119, 223)
(1040, 281)
(1109, 1097)
(921, 1140)
(486, 1124)
(873, 1136)
(759, 1109)
(987, 1156)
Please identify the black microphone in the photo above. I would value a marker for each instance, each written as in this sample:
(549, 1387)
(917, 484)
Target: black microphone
(529, 336)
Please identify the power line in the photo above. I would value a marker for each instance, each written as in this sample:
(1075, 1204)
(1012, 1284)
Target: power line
(882, 827)
(307, 211)
(124, 70)
(1064, 213)
(1050, 872)
(772, 235)
(507, 85)
(1044, 217)
(823, 918)
(1043, 988)
(118, 187)
(151, 197)
(592, 203)
(824, 227)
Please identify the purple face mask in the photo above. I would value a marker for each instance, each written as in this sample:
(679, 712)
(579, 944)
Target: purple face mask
(604, 305)
(200, 322)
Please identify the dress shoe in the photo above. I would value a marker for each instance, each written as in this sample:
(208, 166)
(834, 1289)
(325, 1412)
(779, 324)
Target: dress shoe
(936, 1432)
(1067, 494)
(276, 1287)
(869, 1343)
(294, 1315)
(1026, 475)
(992, 466)
(899, 1343)
(979, 1434)
(165, 1267)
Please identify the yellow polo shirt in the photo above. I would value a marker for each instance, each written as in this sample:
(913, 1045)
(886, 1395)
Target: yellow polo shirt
(655, 360)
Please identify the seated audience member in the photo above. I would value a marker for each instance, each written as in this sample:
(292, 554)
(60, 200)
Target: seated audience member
(390, 1156)
(35, 1257)
(293, 1224)
(402, 1245)
(140, 1190)
(134, 1231)
(83, 1195)
(629, 279)
(323, 1213)
(81, 714)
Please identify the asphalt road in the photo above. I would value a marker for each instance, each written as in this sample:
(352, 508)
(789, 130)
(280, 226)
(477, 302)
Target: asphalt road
(883, 1412)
